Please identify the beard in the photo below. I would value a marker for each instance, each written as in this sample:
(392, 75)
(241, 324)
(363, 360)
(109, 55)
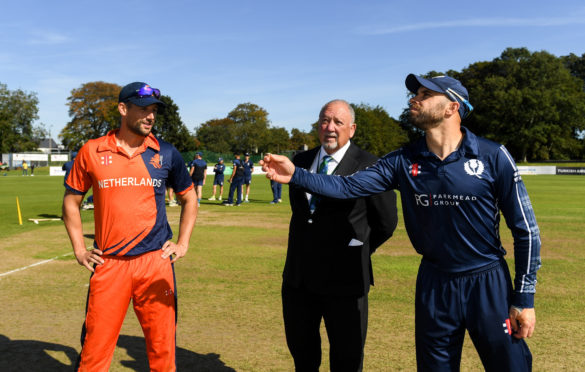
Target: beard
(330, 145)
(324, 139)
(428, 119)
(137, 129)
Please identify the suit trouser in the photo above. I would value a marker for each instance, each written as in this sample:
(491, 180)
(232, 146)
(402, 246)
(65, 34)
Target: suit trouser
(346, 322)
(149, 281)
(447, 304)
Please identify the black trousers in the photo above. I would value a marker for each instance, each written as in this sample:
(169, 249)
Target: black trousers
(346, 322)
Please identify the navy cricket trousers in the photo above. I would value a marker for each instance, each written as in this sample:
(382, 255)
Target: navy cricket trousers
(447, 304)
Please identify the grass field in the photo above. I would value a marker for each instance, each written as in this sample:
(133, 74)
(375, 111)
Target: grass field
(229, 286)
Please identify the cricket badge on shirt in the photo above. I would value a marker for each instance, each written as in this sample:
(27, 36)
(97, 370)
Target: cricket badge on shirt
(414, 169)
(156, 161)
(106, 159)
(507, 326)
(474, 167)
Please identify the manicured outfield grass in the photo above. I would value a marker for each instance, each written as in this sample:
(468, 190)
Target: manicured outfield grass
(229, 286)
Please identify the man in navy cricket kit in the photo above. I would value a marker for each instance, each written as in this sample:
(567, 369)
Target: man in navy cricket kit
(453, 186)
(248, 170)
(198, 174)
(218, 169)
(236, 182)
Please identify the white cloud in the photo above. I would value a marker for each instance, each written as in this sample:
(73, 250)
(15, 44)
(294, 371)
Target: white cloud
(48, 38)
(478, 22)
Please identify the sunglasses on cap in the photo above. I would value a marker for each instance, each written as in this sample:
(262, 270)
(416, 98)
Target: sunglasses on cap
(456, 96)
(147, 91)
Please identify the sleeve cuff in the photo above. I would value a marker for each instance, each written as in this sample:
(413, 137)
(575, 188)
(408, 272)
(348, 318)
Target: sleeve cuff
(523, 300)
(295, 177)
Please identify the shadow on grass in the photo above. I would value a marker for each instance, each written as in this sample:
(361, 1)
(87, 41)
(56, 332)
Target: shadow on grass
(186, 360)
(31, 355)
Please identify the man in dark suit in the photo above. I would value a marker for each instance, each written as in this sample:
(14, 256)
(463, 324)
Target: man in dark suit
(328, 271)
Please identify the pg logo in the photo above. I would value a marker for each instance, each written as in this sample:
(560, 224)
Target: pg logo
(422, 199)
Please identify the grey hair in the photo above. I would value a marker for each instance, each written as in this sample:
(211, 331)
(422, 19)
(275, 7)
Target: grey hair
(351, 110)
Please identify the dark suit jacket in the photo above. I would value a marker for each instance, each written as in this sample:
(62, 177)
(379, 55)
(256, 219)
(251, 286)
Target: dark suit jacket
(319, 257)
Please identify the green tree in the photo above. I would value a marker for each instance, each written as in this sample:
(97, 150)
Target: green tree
(299, 139)
(217, 135)
(93, 109)
(278, 140)
(169, 127)
(18, 111)
(527, 101)
(252, 125)
(376, 131)
(576, 65)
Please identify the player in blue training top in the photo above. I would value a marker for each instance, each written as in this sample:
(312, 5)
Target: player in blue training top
(198, 174)
(453, 186)
(218, 179)
(236, 181)
(248, 169)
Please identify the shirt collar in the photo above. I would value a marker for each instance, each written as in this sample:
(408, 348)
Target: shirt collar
(110, 143)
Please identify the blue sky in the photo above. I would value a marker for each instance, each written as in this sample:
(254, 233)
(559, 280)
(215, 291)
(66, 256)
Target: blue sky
(287, 57)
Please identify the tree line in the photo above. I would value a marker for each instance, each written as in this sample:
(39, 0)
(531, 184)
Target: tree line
(532, 102)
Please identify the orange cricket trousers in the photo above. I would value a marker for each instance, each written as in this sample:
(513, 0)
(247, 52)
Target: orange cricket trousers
(149, 281)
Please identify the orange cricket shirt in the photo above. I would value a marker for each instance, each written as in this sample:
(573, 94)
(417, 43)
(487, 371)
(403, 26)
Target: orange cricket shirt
(129, 192)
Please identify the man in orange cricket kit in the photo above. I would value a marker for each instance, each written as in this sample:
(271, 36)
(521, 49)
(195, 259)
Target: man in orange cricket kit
(129, 170)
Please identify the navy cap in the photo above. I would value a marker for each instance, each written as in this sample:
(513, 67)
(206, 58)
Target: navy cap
(247, 154)
(199, 153)
(220, 159)
(447, 85)
(130, 93)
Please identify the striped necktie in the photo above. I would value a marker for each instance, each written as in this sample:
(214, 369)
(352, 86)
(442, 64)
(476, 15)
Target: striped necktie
(322, 169)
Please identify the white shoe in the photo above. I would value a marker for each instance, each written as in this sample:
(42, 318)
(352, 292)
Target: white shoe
(219, 198)
(280, 200)
(212, 198)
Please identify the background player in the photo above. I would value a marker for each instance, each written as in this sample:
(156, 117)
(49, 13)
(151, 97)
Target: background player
(236, 181)
(248, 170)
(218, 179)
(198, 174)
